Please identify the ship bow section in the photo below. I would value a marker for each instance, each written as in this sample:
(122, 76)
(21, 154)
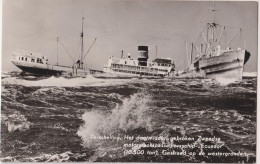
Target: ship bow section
(226, 66)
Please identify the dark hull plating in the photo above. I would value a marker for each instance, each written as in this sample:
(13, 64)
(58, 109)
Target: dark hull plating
(39, 71)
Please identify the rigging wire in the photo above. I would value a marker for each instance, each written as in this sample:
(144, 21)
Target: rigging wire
(230, 26)
(241, 38)
(180, 55)
(89, 49)
(69, 35)
(219, 39)
(225, 33)
(95, 49)
(71, 56)
(233, 37)
(77, 50)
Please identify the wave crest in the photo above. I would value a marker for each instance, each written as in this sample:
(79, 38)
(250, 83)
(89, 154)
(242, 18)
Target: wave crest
(131, 114)
(89, 80)
(16, 121)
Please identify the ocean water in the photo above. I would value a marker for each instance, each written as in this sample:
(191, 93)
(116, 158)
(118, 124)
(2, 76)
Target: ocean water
(57, 119)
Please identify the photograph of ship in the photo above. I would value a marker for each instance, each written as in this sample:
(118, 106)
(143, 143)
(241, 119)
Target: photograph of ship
(212, 60)
(127, 67)
(129, 81)
(37, 65)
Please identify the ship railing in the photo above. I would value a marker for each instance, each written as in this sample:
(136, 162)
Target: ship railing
(140, 72)
(139, 69)
(64, 66)
(28, 53)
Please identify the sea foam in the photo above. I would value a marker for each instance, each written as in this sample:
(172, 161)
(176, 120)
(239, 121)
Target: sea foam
(16, 121)
(66, 82)
(129, 115)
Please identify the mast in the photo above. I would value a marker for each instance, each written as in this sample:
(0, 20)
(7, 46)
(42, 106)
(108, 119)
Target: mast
(213, 12)
(82, 44)
(191, 53)
(187, 52)
(213, 21)
(57, 49)
(211, 31)
(155, 52)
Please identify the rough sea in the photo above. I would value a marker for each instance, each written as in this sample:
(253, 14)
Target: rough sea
(57, 119)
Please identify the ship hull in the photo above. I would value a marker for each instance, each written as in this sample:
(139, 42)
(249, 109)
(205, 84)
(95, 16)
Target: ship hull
(108, 72)
(229, 66)
(48, 70)
(39, 71)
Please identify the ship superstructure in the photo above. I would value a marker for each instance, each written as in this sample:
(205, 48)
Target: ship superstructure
(140, 67)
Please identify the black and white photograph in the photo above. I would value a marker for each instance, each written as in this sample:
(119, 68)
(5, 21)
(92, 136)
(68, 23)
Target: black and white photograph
(160, 81)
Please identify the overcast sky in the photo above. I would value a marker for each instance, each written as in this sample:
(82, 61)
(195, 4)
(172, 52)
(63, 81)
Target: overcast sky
(33, 25)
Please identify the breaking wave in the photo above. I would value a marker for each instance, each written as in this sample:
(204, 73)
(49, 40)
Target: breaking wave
(129, 115)
(249, 74)
(225, 81)
(63, 157)
(16, 121)
(53, 119)
(65, 82)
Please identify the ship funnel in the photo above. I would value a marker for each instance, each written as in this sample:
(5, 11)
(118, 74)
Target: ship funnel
(143, 55)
